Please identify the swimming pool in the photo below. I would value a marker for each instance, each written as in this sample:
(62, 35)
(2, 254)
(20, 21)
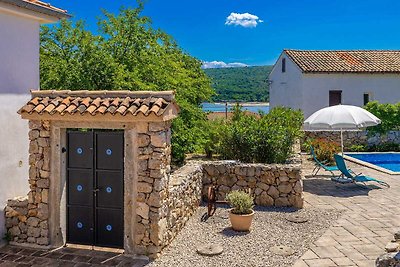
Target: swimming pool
(383, 161)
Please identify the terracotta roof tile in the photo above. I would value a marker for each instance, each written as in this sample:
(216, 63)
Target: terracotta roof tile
(353, 61)
(94, 103)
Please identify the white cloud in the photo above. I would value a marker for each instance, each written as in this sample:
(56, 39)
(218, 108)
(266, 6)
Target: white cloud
(246, 20)
(221, 64)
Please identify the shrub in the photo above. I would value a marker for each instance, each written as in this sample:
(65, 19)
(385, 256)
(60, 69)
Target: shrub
(324, 150)
(241, 202)
(268, 139)
(385, 147)
(389, 115)
(358, 148)
(214, 130)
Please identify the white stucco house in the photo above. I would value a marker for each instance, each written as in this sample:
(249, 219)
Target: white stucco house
(20, 22)
(310, 80)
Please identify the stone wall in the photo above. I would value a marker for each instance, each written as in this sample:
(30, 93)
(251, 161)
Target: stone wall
(26, 218)
(164, 202)
(184, 196)
(272, 185)
(154, 155)
(355, 137)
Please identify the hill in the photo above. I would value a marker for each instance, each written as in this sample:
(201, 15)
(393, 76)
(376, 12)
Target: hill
(249, 84)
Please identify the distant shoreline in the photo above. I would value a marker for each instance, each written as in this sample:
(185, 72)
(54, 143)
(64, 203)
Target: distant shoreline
(244, 104)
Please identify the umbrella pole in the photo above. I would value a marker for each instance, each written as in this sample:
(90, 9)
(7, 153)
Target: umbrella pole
(341, 139)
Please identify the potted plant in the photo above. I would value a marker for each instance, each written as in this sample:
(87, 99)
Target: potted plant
(242, 213)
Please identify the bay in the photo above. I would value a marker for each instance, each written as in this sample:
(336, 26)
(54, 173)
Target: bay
(220, 107)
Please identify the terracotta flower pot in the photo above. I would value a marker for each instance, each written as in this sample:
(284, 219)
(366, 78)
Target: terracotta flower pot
(241, 222)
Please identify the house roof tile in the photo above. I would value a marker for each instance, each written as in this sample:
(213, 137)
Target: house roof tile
(39, 6)
(349, 61)
(97, 103)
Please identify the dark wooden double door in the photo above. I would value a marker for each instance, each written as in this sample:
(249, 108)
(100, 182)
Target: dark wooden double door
(95, 191)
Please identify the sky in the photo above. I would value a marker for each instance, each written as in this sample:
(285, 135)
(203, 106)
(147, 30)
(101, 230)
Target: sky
(231, 33)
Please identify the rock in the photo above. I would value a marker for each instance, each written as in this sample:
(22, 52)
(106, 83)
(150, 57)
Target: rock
(43, 142)
(273, 192)
(296, 218)
(22, 218)
(250, 171)
(43, 183)
(43, 225)
(142, 165)
(45, 195)
(298, 187)
(211, 170)
(296, 201)
(44, 133)
(33, 134)
(392, 247)
(159, 139)
(43, 241)
(10, 212)
(285, 188)
(144, 187)
(33, 147)
(264, 200)
(143, 140)
(388, 260)
(397, 236)
(155, 164)
(43, 211)
(154, 200)
(18, 202)
(156, 126)
(268, 178)
(263, 186)
(210, 250)
(282, 202)
(33, 232)
(31, 239)
(284, 179)
(14, 231)
(282, 250)
(258, 191)
(32, 221)
(44, 174)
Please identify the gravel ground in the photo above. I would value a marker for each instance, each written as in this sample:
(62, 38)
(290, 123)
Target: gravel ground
(269, 228)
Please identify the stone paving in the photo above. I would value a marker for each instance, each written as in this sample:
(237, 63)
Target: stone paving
(11, 256)
(371, 217)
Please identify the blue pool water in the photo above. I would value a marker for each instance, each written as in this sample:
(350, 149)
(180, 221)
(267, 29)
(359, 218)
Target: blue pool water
(390, 161)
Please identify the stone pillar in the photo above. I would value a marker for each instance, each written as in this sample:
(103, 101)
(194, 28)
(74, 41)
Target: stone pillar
(27, 218)
(154, 156)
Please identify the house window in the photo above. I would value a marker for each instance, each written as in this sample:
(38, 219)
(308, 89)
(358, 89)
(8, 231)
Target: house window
(283, 64)
(367, 98)
(335, 97)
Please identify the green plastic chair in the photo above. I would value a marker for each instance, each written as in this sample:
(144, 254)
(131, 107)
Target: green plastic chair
(320, 165)
(349, 176)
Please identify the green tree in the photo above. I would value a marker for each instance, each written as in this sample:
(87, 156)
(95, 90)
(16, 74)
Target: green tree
(127, 53)
(389, 115)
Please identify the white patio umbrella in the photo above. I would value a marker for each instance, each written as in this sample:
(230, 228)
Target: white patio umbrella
(339, 118)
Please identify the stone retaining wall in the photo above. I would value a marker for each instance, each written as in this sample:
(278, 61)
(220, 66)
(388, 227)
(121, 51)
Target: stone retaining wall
(272, 185)
(26, 218)
(184, 196)
(355, 137)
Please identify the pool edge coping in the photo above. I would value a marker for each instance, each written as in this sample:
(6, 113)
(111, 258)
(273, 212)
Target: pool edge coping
(370, 165)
